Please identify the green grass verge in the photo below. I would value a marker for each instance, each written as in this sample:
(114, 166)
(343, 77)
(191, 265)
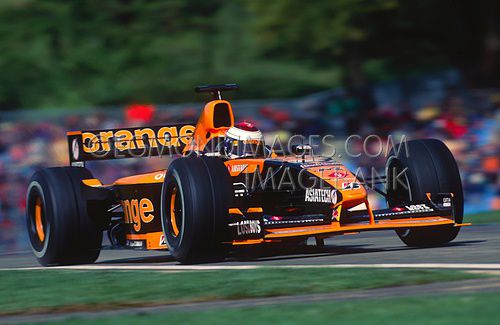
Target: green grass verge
(483, 217)
(45, 290)
(450, 309)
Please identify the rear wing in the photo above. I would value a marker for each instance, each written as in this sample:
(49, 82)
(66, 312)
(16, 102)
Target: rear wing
(149, 141)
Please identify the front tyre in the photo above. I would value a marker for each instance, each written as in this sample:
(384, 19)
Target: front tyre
(426, 166)
(194, 209)
(59, 228)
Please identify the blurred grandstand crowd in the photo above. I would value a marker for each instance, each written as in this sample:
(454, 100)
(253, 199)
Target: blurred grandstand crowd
(468, 121)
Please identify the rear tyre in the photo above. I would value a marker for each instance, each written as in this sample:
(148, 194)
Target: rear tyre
(59, 228)
(430, 168)
(194, 207)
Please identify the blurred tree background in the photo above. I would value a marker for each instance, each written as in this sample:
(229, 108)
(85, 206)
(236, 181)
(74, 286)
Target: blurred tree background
(72, 53)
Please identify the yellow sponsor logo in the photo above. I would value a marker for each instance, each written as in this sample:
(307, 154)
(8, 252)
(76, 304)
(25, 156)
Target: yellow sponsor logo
(138, 212)
(167, 136)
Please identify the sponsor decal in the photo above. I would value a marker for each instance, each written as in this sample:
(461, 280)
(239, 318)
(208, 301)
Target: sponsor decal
(338, 174)
(159, 176)
(447, 202)
(350, 186)
(239, 189)
(317, 164)
(137, 212)
(75, 148)
(163, 242)
(398, 209)
(418, 208)
(131, 139)
(320, 195)
(335, 215)
(237, 168)
(135, 243)
(247, 227)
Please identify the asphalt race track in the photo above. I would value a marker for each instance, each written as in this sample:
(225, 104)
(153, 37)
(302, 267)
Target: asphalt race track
(478, 244)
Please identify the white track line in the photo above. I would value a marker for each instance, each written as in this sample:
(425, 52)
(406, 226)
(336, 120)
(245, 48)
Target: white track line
(466, 266)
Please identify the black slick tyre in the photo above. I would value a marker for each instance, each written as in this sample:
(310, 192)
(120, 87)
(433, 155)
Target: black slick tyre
(194, 207)
(426, 166)
(59, 228)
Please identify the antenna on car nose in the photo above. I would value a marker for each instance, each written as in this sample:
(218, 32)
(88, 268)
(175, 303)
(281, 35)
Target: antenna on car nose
(216, 90)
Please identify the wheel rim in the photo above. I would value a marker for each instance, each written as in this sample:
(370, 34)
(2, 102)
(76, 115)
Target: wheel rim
(175, 212)
(39, 226)
(39, 219)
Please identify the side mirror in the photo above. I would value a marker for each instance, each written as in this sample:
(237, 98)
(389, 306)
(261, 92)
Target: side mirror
(302, 150)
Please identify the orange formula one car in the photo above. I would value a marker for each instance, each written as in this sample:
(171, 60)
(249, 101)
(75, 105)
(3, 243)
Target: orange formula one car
(227, 188)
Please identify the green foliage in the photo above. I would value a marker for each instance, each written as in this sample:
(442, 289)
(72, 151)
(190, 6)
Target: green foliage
(380, 39)
(328, 26)
(76, 53)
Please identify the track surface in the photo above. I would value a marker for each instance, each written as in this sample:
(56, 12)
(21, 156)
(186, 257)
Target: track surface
(476, 245)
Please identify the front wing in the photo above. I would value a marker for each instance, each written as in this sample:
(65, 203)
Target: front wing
(254, 226)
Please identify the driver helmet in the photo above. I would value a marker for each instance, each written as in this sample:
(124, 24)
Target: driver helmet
(244, 140)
